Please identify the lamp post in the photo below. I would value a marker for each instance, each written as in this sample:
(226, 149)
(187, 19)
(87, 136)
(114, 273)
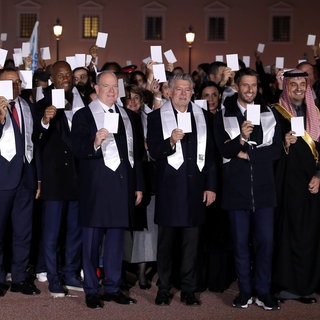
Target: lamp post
(190, 35)
(57, 30)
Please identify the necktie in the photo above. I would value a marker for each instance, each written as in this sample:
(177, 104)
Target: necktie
(15, 113)
(110, 110)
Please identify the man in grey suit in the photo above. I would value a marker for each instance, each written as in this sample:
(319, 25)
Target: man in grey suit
(111, 183)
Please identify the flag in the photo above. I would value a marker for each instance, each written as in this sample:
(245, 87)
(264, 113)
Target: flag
(34, 47)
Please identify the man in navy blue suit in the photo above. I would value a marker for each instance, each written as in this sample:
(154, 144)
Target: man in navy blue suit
(59, 186)
(111, 183)
(185, 184)
(18, 184)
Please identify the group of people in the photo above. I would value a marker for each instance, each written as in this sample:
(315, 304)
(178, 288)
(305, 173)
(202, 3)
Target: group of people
(137, 179)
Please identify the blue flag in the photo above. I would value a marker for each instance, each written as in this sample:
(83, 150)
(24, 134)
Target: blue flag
(34, 47)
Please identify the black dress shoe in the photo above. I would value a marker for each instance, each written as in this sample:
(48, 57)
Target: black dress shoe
(189, 299)
(24, 287)
(163, 298)
(308, 300)
(3, 289)
(118, 297)
(145, 286)
(93, 301)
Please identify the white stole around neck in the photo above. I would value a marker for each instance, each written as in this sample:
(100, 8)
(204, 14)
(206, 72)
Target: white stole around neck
(169, 123)
(7, 140)
(109, 147)
(267, 121)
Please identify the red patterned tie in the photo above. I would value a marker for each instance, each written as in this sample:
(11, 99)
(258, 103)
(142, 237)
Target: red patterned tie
(15, 113)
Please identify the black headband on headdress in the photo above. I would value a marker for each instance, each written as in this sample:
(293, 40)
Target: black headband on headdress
(290, 74)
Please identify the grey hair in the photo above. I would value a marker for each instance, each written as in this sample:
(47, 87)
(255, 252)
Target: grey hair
(180, 76)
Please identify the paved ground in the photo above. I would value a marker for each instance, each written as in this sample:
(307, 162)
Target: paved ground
(215, 306)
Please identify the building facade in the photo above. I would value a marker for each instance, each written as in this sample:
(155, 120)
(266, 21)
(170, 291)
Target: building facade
(221, 27)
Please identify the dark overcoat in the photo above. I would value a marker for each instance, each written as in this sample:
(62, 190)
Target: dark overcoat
(106, 197)
(179, 193)
(59, 175)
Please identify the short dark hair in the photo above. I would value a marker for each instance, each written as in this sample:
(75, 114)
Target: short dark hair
(245, 72)
(214, 66)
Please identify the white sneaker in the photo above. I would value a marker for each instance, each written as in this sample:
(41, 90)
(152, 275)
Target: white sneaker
(42, 276)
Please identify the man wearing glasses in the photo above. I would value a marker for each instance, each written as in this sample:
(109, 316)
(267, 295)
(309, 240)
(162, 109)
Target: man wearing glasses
(18, 184)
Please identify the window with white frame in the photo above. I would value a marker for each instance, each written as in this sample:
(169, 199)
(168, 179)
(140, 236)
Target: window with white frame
(216, 18)
(27, 15)
(280, 16)
(154, 16)
(90, 19)
(27, 22)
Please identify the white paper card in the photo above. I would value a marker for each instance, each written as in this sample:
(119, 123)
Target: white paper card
(261, 47)
(253, 113)
(184, 122)
(39, 94)
(17, 58)
(219, 58)
(101, 41)
(128, 63)
(246, 61)
(17, 50)
(25, 49)
(111, 121)
(72, 61)
(45, 53)
(3, 56)
(146, 60)
(279, 62)
(3, 37)
(156, 53)
(233, 61)
(26, 78)
(297, 125)
(311, 40)
(122, 92)
(159, 72)
(170, 56)
(58, 98)
(6, 89)
(201, 103)
(80, 59)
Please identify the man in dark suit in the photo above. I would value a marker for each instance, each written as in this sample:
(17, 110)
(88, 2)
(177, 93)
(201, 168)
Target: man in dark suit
(18, 184)
(111, 182)
(185, 184)
(59, 183)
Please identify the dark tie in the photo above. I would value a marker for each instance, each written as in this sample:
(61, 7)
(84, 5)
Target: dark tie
(110, 110)
(15, 113)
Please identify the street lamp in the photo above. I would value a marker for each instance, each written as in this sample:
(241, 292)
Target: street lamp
(57, 30)
(190, 35)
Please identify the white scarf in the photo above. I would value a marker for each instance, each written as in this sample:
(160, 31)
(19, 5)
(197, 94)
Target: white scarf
(268, 124)
(169, 123)
(109, 147)
(7, 141)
